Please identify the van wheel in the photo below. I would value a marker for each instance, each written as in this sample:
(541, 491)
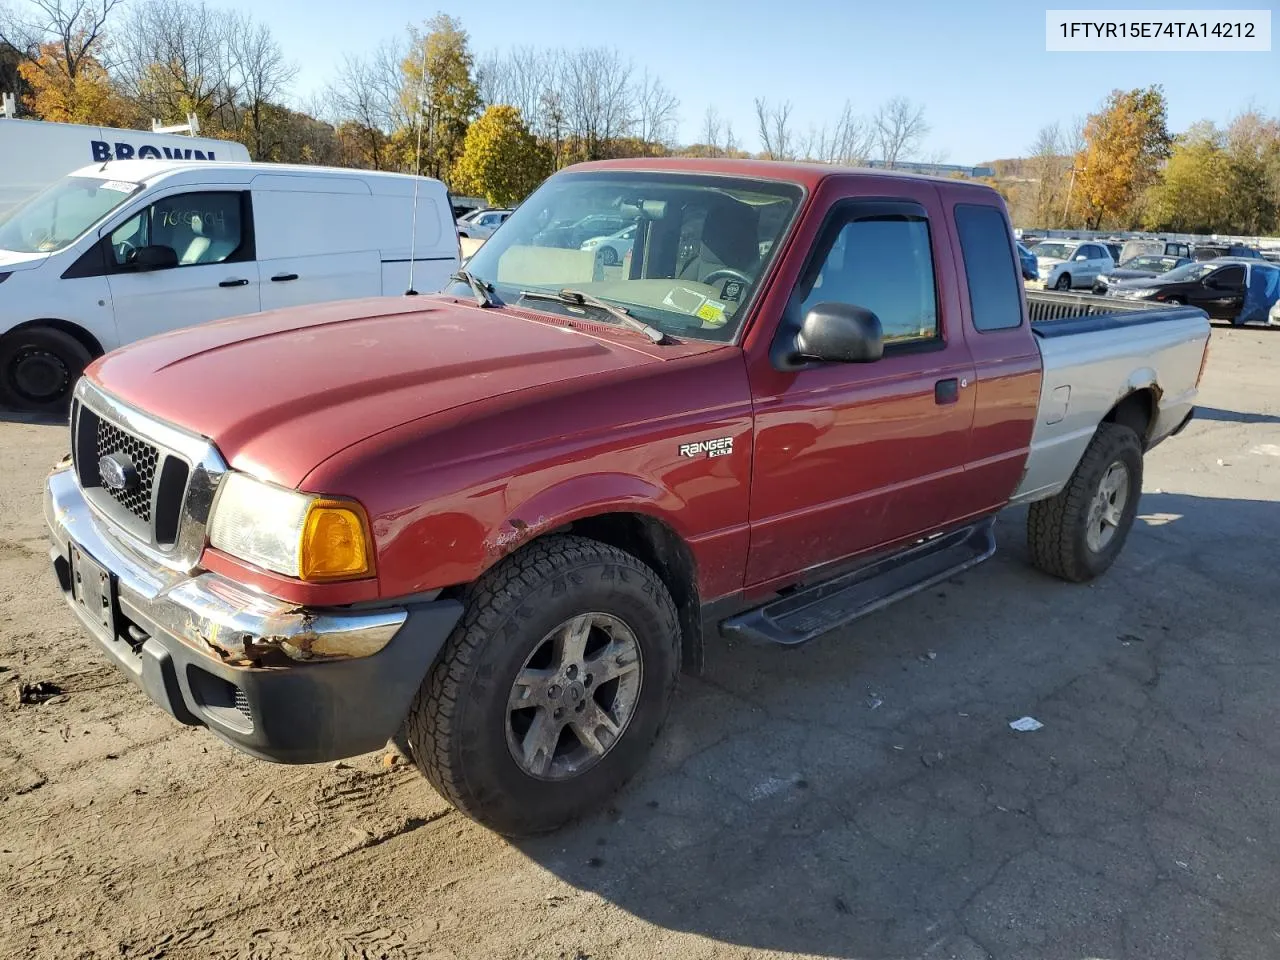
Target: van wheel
(551, 689)
(1063, 282)
(39, 367)
(1079, 533)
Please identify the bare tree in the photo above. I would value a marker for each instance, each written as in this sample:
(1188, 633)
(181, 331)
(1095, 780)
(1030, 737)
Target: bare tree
(730, 141)
(74, 25)
(260, 73)
(367, 96)
(900, 127)
(1048, 167)
(656, 108)
(599, 101)
(711, 131)
(773, 126)
(173, 57)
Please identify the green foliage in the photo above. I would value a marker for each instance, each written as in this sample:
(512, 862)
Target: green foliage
(440, 94)
(501, 160)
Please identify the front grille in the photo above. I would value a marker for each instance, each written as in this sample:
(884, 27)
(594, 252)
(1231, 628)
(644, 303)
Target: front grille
(111, 439)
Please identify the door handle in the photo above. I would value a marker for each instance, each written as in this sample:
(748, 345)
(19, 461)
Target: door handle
(282, 277)
(234, 283)
(946, 391)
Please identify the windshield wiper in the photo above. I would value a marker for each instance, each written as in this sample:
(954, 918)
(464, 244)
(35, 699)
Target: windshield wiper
(483, 297)
(577, 298)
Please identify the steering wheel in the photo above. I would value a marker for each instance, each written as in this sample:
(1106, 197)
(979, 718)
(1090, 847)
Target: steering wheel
(726, 273)
(123, 249)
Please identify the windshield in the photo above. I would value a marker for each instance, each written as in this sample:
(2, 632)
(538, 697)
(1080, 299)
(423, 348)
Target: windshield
(1158, 264)
(1055, 251)
(1192, 271)
(683, 253)
(58, 215)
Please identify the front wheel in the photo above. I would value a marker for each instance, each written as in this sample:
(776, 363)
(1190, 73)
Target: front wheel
(1079, 533)
(551, 689)
(1063, 282)
(39, 367)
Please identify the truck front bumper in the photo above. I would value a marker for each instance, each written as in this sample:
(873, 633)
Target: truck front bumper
(170, 633)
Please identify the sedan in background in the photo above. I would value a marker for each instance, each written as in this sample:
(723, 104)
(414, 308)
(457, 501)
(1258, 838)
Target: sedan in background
(1070, 264)
(480, 224)
(1139, 268)
(610, 250)
(1215, 286)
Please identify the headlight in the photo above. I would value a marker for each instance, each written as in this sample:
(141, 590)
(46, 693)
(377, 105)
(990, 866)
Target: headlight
(296, 534)
(1144, 293)
(590, 244)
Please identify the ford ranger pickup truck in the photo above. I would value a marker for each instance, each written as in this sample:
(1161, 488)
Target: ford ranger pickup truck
(494, 524)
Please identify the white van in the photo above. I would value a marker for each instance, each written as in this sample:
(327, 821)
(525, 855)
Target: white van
(124, 250)
(36, 152)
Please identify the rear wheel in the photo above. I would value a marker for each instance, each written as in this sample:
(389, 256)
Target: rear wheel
(1079, 533)
(608, 256)
(552, 688)
(1063, 282)
(39, 366)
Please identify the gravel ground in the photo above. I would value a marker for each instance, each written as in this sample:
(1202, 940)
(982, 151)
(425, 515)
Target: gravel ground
(860, 797)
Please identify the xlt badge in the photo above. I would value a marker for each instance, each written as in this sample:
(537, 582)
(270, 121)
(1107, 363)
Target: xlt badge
(720, 447)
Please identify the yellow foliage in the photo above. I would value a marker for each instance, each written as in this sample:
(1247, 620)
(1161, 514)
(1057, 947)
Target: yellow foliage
(501, 160)
(88, 97)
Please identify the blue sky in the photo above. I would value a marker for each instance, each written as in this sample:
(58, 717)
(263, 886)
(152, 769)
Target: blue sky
(979, 67)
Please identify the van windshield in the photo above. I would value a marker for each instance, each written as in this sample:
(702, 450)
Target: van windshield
(55, 217)
(681, 252)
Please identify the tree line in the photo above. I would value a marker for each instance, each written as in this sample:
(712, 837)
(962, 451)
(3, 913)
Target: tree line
(495, 125)
(1121, 168)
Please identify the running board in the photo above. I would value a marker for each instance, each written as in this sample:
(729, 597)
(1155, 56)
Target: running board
(812, 611)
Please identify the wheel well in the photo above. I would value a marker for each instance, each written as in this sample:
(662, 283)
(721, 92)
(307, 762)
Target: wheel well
(656, 545)
(87, 339)
(1136, 411)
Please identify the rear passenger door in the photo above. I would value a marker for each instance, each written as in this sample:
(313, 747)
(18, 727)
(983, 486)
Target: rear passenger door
(853, 456)
(1006, 360)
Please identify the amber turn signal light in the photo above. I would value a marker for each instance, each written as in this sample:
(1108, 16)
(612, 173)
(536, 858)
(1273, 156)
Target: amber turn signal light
(335, 542)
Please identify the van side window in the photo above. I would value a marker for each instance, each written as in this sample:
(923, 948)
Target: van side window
(201, 228)
(883, 264)
(994, 302)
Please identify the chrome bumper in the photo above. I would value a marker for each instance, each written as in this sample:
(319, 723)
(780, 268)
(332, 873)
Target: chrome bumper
(206, 610)
(213, 654)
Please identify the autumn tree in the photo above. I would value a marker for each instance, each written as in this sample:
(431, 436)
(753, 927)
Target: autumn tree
(1191, 196)
(440, 96)
(87, 97)
(501, 160)
(1124, 146)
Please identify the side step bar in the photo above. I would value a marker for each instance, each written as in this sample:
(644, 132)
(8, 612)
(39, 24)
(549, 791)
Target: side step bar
(814, 610)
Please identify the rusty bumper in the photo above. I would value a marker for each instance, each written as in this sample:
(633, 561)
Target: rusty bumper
(280, 682)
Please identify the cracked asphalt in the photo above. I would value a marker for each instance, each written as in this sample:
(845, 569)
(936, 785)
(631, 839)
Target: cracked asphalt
(861, 797)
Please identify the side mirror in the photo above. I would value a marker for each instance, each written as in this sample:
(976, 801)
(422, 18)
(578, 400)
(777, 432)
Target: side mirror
(840, 333)
(154, 257)
(1079, 256)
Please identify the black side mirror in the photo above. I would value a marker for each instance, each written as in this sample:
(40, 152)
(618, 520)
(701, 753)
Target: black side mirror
(154, 257)
(840, 333)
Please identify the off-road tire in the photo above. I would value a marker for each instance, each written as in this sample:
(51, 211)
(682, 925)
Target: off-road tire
(63, 356)
(1057, 527)
(457, 724)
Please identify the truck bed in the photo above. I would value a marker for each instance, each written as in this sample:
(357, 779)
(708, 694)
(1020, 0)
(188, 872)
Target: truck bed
(1055, 314)
(1096, 351)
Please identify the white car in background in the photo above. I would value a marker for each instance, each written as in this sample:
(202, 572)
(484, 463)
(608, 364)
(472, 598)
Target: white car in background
(1071, 264)
(480, 224)
(613, 248)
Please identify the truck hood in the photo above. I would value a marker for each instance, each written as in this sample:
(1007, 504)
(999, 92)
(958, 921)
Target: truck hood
(12, 261)
(280, 392)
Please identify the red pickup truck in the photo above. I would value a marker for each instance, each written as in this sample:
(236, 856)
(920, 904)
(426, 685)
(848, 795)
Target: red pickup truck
(496, 522)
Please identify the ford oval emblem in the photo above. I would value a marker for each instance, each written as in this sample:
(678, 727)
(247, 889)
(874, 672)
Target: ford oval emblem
(118, 473)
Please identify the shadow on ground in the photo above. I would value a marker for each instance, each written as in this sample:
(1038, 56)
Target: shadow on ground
(865, 796)
(1234, 416)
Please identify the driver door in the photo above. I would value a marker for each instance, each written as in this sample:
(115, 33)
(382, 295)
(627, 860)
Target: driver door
(216, 276)
(1223, 296)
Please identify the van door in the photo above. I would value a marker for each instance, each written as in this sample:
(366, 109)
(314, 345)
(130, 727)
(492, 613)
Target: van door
(186, 258)
(318, 244)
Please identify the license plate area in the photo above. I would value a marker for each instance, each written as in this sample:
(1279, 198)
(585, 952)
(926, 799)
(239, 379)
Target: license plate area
(93, 587)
